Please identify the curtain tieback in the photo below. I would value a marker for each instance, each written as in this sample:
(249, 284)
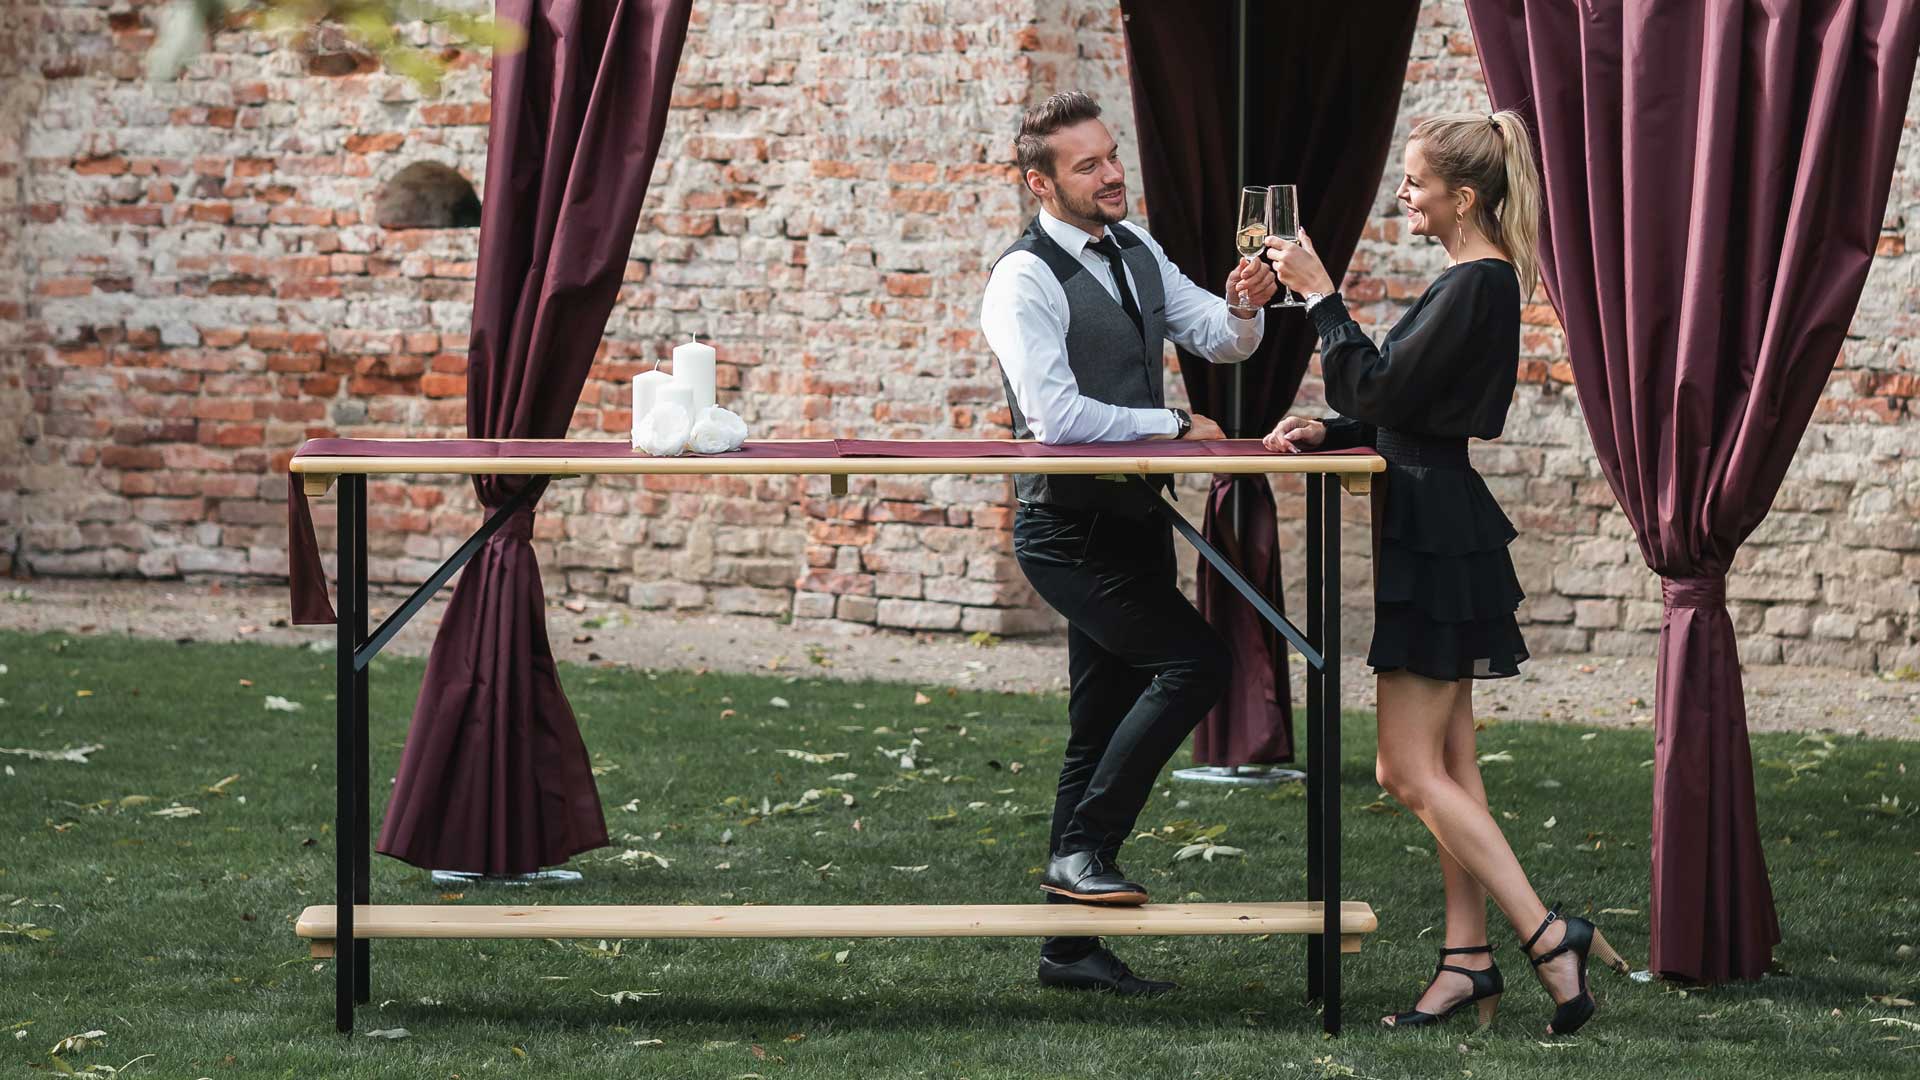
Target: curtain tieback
(517, 527)
(1694, 592)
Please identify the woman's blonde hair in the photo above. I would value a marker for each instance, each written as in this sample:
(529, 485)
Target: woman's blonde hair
(1493, 156)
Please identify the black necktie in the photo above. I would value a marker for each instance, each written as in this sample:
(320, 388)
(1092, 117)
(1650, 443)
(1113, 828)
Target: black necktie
(1111, 250)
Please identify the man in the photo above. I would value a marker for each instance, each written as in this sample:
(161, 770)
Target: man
(1077, 311)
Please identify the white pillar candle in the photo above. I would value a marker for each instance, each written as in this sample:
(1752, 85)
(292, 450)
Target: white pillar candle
(693, 365)
(678, 393)
(646, 385)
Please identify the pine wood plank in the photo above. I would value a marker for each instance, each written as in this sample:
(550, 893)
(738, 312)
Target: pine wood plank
(847, 921)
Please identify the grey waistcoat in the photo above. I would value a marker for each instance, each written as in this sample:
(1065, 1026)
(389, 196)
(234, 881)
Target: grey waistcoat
(1111, 362)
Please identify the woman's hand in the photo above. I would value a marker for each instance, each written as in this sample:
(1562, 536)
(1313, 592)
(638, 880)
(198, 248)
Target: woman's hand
(1294, 435)
(1298, 265)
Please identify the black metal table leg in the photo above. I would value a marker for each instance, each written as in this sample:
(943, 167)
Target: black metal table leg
(349, 623)
(1316, 673)
(353, 816)
(363, 822)
(1320, 645)
(1329, 756)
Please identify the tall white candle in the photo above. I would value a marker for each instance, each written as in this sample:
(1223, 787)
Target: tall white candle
(693, 366)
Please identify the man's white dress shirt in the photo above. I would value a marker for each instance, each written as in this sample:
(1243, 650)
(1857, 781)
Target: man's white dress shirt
(1024, 314)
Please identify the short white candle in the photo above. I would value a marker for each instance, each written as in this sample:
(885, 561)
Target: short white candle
(646, 385)
(677, 393)
(693, 366)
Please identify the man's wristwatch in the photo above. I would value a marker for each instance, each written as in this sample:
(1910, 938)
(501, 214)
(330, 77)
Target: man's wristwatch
(1184, 419)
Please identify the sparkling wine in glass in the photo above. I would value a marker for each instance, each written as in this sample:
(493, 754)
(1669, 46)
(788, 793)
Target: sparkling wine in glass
(1285, 204)
(1256, 215)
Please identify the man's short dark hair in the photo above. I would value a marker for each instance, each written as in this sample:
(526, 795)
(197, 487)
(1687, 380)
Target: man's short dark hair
(1031, 149)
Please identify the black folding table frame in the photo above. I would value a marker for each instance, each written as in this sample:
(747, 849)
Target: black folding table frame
(1318, 643)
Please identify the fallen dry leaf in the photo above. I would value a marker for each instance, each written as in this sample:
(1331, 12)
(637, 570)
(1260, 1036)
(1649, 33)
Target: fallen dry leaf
(75, 754)
(621, 997)
(811, 757)
(73, 1044)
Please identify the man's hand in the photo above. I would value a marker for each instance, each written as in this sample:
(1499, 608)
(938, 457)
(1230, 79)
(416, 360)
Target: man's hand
(1249, 287)
(1204, 428)
(1295, 434)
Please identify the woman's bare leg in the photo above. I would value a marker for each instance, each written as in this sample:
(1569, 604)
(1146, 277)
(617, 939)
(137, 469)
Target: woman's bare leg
(1416, 717)
(1466, 900)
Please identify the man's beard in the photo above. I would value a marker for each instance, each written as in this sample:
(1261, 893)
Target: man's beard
(1090, 209)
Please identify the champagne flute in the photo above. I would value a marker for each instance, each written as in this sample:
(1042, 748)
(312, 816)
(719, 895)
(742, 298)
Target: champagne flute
(1284, 203)
(1256, 218)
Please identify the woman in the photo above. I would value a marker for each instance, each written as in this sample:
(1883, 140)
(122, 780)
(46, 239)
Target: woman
(1445, 591)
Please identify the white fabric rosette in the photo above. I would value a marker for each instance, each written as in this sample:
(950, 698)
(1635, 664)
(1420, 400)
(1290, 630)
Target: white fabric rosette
(719, 428)
(708, 437)
(663, 431)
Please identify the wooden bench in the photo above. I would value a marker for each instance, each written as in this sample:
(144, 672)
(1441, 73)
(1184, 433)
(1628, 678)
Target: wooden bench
(318, 923)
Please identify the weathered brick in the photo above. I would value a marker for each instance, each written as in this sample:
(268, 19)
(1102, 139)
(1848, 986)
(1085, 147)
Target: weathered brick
(809, 605)
(1596, 614)
(919, 615)
(1788, 620)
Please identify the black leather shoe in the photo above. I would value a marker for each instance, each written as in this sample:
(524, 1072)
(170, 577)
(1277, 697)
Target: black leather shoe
(1100, 970)
(1085, 876)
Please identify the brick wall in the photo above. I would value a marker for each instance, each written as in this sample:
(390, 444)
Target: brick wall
(19, 100)
(204, 285)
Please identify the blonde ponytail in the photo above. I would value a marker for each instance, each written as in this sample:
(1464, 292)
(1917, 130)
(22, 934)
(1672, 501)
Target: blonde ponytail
(1516, 227)
(1493, 155)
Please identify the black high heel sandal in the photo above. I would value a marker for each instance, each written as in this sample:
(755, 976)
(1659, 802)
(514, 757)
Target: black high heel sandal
(1580, 938)
(1487, 988)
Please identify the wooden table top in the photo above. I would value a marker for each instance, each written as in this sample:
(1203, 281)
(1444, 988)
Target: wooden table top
(552, 459)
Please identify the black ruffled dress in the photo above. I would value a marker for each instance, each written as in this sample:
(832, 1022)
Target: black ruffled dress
(1445, 591)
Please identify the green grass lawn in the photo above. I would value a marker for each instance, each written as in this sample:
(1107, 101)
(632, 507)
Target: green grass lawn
(172, 932)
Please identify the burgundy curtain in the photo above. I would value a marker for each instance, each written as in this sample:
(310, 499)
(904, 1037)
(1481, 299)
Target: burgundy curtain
(495, 777)
(1716, 172)
(1324, 96)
